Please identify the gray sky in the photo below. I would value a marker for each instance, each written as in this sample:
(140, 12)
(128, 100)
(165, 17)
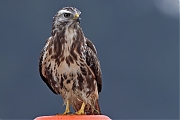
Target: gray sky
(138, 47)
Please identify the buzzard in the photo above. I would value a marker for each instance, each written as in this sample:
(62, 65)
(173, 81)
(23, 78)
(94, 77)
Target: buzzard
(69, 65)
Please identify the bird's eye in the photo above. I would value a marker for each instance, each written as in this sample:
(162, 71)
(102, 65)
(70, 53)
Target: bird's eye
(66, 15)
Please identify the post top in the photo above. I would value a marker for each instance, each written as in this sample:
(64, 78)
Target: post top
(73, 117)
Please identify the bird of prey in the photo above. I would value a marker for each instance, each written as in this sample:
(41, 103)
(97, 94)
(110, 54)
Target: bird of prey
(69, 65)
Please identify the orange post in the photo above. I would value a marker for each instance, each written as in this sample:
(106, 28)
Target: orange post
(73, 117)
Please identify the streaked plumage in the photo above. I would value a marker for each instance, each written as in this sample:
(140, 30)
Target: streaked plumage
(69, 65)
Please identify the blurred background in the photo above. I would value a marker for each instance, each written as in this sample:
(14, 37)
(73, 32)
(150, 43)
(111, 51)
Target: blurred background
(138, 47)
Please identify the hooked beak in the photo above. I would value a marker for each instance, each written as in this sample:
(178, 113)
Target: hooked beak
(77, 18)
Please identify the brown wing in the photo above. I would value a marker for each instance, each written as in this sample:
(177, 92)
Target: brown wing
(44, 71)
(93, 62)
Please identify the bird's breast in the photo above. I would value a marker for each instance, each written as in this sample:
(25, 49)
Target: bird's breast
(66, 67)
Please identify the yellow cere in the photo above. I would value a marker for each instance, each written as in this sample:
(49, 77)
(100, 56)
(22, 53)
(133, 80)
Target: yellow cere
(76, 15)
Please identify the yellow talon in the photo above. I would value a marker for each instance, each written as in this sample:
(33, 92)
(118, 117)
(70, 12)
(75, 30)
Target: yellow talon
(81, 111)
(67, 111)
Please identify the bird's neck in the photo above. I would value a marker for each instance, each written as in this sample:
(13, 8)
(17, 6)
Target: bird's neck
(69, 39)
(69, 35)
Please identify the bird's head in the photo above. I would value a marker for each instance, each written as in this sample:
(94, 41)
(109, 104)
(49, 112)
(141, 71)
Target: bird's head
(67, 16)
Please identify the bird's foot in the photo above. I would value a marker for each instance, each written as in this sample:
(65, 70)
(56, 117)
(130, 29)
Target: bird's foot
(80, 112)
(67, 110)
(65, 113)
